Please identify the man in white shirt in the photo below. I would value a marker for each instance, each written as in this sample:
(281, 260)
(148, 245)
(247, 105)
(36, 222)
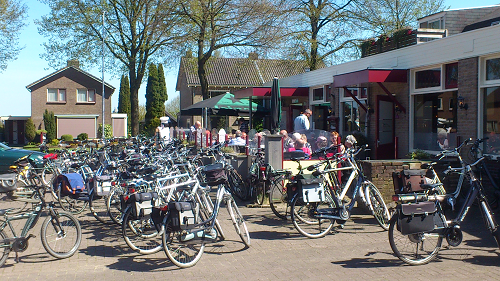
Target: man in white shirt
(301, 122)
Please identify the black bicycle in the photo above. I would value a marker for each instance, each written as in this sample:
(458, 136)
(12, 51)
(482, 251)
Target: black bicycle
(417, 229)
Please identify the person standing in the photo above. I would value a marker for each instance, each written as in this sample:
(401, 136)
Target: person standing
(301, 122)
(243, 125)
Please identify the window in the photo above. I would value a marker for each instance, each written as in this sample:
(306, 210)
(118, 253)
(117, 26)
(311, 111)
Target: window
(56, 95)
(428, 78)
(85, 95)
(353, 117)
(318, 94)
(434, 129)
(493, 69)
(451, 78)
(491, 129)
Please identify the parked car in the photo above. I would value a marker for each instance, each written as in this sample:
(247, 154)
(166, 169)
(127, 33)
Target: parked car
(8, 155)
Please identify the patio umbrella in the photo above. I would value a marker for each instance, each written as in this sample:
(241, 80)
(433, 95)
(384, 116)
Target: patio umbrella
(275, 106)
(222, 105)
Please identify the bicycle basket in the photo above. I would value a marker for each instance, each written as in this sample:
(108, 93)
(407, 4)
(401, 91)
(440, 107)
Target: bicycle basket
(215, 174)
(416, 217)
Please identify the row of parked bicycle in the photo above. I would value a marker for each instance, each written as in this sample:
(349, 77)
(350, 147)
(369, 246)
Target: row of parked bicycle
(169, 197)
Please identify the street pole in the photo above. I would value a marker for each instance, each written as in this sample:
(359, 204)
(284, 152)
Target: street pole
(103, 94)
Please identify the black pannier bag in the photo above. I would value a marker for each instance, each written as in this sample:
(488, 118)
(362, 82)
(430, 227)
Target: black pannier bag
(215, 174)
(408, 181)
(142, 203)
(182, 215)
(8, 183)
(416, 217)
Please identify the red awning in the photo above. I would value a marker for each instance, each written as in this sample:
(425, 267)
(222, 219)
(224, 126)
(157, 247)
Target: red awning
(266, 91)
(370, 76)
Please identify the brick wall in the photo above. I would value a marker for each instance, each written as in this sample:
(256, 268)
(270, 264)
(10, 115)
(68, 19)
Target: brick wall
(467, 88)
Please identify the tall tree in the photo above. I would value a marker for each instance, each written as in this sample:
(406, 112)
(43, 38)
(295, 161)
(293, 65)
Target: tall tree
(30, 130)
(155, 104)
(135, 31)
(222, 24)
(162, 83)
(124, 99)
(49, 121)
(319, 30)
(12, 16)
(387, 16)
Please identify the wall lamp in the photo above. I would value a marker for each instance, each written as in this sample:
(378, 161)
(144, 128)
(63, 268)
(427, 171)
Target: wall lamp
(461, 103)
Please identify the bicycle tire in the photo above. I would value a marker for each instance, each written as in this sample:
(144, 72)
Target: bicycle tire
(113, 205)
(182, 254)
(98, 208)
(207, 206)
(237, 185)
(413, 249)
(378, 206)
(260, 192)
(4, 249)
(238, 221)
(72, 204)
(307, 225)
(278, 200)
(140, 234)
(52, 237)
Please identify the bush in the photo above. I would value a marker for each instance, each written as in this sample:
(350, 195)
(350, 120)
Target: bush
(82, 137)
(227, 149)
(108, 131)
(54, 142)
(30, 130)
(67, 137)
(419, 154)
(49, 121)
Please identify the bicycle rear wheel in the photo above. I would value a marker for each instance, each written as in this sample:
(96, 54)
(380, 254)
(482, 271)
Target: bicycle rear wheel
(71, 203)
(140, 234)
(260, 192)
(413, 249)
(97, 205)
(238, 222)
(4, 249)
(304, 221)
(61, 235)
(113, 204)
(278, 199)
(180, 252)
(237, 185)
(378, 207)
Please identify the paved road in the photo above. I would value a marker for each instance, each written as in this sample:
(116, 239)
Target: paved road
(360, 251)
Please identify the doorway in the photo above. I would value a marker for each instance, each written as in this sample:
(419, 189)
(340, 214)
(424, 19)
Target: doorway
(385, 128)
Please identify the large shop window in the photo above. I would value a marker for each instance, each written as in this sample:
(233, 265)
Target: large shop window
(491, 127)
(435, 125)
(493, 69)
(354, 118)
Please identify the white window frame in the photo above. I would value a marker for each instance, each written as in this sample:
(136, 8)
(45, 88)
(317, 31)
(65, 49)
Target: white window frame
(58, 95)
(483, 83)
(343, 99)
(86, 96)
(321, 101)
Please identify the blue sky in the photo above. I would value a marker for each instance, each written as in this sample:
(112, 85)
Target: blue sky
(29, 67)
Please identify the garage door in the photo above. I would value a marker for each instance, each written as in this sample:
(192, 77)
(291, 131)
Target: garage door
(76, 126)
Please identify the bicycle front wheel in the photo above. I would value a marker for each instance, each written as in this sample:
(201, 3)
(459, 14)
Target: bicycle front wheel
(98, 208)
(378, 207)
(237, 185)
(4, 248)
(61, 235)
(278, 200)
(179, 250)
(260, 192)
(113, 204)
(304, 220)
(414, 249)
(73, 204)
(238, 222)
(140, 234)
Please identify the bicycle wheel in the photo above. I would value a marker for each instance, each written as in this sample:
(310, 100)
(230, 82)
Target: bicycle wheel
(260, 192)
(4, 248)
(98, 208)
(113, 204)
(237, 185)
(140, 234)
(413, 249)
(304, 221)
(238, 221)
(207, 208)
(74, 204)
(181, 253)
(378, 207)
(61, 235)
(278, 199)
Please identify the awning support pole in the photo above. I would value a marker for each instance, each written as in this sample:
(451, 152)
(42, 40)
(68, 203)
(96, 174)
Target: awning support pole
(249, 113)
(348, 92)
(391, 97)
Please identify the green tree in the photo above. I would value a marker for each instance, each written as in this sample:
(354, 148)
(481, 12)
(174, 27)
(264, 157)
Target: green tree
(221, 24)
(124, 99)
(30, 130)
(173, 106)
(49, 121)
(136, 31)
(155, 107)
(387, 16)
(12, 16)
(162, 83)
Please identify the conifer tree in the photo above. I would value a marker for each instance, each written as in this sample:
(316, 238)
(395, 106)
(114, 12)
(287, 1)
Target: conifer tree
(154, 100)
(124, 105)
(49, 121)
(30, 130)
(162, 83)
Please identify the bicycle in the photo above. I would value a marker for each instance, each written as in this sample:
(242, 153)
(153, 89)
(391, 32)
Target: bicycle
(61, 233)
(320, 201)
(416, 231)
(257, 179)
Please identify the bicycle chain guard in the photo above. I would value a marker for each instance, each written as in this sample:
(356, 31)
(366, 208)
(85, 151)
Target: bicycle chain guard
(21, 244)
